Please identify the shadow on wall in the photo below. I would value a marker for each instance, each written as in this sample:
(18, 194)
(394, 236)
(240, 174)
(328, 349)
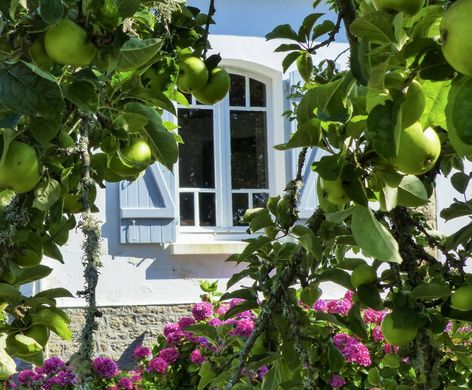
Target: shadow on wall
(159, 263)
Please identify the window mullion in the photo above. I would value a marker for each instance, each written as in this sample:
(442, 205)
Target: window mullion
(226, 163)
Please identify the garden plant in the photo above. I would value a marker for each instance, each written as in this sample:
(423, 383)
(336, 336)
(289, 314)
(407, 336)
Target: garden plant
(83, 85)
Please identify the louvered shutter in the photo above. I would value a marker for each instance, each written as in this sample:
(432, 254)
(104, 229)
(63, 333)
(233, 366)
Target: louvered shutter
(308, 200)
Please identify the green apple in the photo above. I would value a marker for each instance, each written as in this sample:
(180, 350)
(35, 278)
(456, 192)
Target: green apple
(456, 33)
(323, 201)
(415, 99)
(67, 43)
(39, 56)
(137, 156)
(398, 337)
(20, 170)
(410, 7)
(418, 150)
(193, 74)
(462, 298)
(334, 191)
(363, 274)
(73, 202)
(216, 88)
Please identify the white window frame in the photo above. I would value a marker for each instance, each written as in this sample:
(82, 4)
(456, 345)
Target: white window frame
(275, 163)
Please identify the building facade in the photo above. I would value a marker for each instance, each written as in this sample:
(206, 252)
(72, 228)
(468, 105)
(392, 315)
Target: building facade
(166, 232)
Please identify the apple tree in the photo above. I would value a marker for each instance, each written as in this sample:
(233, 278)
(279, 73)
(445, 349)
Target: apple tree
(83, 85)
(389, 123)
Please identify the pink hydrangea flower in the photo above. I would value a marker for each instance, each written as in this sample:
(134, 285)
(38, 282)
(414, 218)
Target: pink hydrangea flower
(377, 334)
(125, 384)
(202, 311)
(321, 305)
(105, 367)
(215, 322)
(353, 350)
(196, 357)
(170, 355)
(141, 352)
(185, 321)
(337, 381)
(373, 316)
(158, 365)
(244, 327)
(171, 328)
(222, 310)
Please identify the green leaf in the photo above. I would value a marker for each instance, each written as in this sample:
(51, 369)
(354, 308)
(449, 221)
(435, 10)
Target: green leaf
(242, 307)
(461, 237)
(330, 101)
(288, 47)
(356, 323)
(460, 182)
(336, 359)
(131, 122)
(7, 365)
(375, 27)
(412, 192)
(304, 32)
(26, 89)
(384, 127)
(370, 296)
(372, 237)
(330, 167)
(289, 60)
(391, 360)
(54, 321)
(52, 250)
(307, 135)
(83, 94)
(51, 10)
(325, 27)
(46, 194)
(457, 210)
(31, 274)
(373, 376)
(459, 109)
(310, 294)
(254, 244)
(127, 8)
(54, 293)
(284, 31)
(137, 52)
(436, 94)
(9, 293)
(430, 291)
(337, 276)
(206, 374)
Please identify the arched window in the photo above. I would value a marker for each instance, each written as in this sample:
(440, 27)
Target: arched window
(225, 164)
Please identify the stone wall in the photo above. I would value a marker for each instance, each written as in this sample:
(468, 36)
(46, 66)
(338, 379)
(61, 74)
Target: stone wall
(120, 330)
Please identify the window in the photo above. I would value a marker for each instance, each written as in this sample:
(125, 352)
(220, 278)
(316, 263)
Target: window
(224, 163)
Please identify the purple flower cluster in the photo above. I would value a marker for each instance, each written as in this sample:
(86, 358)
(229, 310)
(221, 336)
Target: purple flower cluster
(202, 310)
(197, 358)
(170, 355)
(335, 306)
(337, 381)
(353, 350)
(373, 316)
(141, 352)
(158, 365)
(54, 374)
(105, 367)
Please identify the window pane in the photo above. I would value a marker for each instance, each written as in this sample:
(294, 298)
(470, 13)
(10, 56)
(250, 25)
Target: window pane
(237, 92)
(207, 209)
(259, 200)
(196, 160)
(258, 93)
(240, 205)
(248, 150)
(187, 209)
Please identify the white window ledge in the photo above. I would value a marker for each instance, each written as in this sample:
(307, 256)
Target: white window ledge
(207, 248)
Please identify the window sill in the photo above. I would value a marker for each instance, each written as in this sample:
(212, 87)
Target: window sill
(207, 248)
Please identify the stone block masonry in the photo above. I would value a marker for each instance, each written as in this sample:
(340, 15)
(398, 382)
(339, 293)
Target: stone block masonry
(120, 330)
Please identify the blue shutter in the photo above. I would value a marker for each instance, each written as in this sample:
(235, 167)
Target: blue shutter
(147, 206)
(147, 212)
(307, 200)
